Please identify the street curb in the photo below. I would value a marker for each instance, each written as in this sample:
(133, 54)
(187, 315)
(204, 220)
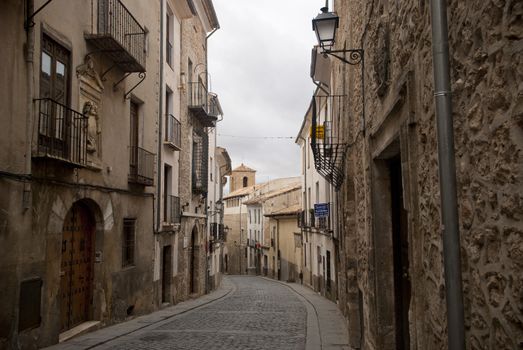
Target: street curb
(310, 342)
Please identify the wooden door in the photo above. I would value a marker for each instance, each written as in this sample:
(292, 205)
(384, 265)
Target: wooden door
(77, 267)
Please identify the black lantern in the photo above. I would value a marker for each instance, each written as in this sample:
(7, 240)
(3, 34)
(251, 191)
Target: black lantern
(325, 25)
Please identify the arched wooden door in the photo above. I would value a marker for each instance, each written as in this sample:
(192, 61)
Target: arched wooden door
(77, 266)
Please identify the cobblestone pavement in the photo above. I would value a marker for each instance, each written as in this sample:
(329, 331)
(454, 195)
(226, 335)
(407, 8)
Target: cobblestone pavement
(259, 314)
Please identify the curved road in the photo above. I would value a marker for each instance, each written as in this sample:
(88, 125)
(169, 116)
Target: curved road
(256, 313)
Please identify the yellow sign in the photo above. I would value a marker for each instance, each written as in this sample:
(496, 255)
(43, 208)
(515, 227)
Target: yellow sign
(320, 132)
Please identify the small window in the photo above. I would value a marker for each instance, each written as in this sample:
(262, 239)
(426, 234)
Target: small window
(128, 240)
(245, 181)
(30, 304)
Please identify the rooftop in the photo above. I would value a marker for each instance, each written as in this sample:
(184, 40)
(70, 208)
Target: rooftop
(243, 168)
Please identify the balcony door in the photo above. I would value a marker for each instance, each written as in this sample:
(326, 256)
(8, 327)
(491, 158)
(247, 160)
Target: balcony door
(54, 118)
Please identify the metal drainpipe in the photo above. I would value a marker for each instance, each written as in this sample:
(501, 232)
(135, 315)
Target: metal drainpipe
(160, 119)
(29, 60)
(304, 232)
(447, 176)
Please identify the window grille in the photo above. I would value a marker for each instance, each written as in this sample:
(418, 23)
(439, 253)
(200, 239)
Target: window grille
(128, 242)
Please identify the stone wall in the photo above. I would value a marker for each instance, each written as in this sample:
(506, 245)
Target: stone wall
(486, 68)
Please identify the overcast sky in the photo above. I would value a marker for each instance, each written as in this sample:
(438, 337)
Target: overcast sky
(259, 62)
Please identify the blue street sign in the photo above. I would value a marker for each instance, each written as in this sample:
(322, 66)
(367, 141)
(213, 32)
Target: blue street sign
(321, 210)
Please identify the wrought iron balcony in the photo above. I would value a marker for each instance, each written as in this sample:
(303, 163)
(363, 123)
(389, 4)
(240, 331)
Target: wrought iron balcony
(302, 219)
(204, 105)
(312, 218)
(141, 166)
(118, 34)
(173, 132)
(218, 232)
(172, 210)
(328, 148)
(62, 133)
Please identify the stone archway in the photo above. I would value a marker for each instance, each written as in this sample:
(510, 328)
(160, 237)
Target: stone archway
(77, 265)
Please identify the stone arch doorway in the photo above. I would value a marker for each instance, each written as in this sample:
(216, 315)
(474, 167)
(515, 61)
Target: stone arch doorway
(193, 262)
(77, 266)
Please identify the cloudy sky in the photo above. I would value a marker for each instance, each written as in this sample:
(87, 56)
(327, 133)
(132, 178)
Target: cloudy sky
(259, 64)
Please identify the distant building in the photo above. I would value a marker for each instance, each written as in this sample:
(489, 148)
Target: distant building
(273, 230)
(241, 187)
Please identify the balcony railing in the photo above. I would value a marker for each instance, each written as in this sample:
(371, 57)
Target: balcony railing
(218, 232)
(327, 144)
(141, 166)
(302, 219)
(204, 105)
(62, 132)
(312, 218)
(172, 210)
(173, 132)
(214, 109)
(118, 34)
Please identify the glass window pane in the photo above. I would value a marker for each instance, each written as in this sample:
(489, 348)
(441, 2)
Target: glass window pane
(46, 63)
(60, 69)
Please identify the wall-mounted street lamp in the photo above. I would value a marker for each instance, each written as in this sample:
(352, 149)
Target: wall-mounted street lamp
(325, 25)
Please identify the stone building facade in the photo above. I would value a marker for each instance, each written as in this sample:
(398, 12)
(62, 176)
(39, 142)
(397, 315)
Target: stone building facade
(391, 283)
(111, 179)
(77, 166)
(188, 182)
(199, 112)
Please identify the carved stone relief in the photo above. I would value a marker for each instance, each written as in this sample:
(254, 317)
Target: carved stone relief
(90, 98)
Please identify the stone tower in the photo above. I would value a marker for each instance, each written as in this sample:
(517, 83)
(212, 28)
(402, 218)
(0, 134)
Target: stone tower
(242, 176)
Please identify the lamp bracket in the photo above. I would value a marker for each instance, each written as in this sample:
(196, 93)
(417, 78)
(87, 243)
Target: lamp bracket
(354, 58)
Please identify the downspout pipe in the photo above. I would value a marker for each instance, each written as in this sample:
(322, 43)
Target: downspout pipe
(160, 120)
(29, 61)
(447, 176)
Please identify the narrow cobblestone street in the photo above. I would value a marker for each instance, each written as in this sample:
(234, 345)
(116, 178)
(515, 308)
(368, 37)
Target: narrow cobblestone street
(247, 313)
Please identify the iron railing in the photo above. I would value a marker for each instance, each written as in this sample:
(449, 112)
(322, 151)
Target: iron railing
(119, 35)
(173, 132)
(214, 110)
(312, 218)
(62, 132)
(200, 161)
(198, 95)
(328, 146)
(172, 212)
(205, 105)
(218, 232)
(141, 166)
(302, 219)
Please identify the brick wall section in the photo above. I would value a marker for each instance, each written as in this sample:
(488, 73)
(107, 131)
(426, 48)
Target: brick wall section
(487, 70)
